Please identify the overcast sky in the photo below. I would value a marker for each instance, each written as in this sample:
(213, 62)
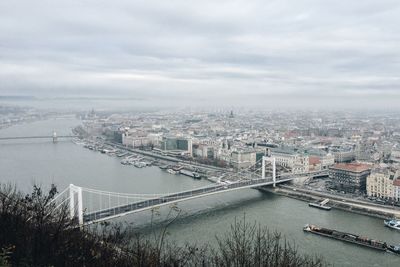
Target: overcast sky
(299, 49)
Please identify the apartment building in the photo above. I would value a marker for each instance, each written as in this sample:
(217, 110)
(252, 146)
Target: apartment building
(243, 158)
(349, 177)
(384, 183)
(295, 161)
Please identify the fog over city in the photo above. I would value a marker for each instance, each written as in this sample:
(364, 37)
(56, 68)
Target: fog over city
(260, 53)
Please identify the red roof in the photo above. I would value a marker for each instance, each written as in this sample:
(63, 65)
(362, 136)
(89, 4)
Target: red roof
(396, 182)
(352, 167)
(314, 160)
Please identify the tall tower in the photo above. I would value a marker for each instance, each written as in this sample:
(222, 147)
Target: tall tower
(54, 137)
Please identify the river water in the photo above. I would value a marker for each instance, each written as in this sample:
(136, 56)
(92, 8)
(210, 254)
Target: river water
(26, 162)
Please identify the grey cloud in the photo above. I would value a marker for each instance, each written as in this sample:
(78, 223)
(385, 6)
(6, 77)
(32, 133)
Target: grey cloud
(201, 48)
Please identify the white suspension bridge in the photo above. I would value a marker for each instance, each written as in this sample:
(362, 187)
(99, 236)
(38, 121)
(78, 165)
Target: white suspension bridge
(90, 205)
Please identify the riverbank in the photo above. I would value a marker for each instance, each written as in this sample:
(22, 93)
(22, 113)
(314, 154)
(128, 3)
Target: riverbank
(210, 173)
(342, 203)
(167, 158)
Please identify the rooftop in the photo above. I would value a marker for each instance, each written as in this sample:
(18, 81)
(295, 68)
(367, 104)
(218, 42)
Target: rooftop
(286, 150)
(314, 160)
(353, 167)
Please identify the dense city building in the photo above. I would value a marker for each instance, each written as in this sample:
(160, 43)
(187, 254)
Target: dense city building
(292, 159)
(343, 155)
(243, 158)
(349, 177)
(384, 183)
(176, 144)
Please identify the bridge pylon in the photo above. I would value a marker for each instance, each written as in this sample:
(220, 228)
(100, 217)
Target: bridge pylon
(273, 161)
(76, 210)
(55, 137)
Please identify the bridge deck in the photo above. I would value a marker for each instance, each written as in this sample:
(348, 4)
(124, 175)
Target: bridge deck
(36, 137)
(172, 198)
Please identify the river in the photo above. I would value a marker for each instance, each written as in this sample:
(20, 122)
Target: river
(26, 162)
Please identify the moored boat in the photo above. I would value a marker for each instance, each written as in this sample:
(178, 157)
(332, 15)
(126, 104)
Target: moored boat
(394, 249)
(393, 223)
(319, 206)
(164, 167)
(171, 171)
(190, 174)
(177, 168)
(139, 164)
(196, 175)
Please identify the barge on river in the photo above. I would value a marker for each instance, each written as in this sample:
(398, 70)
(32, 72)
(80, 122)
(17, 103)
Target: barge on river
(352, 238)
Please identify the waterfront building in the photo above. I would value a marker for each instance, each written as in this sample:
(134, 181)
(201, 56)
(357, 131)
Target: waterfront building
(140, 139)
(384, 183)
(396, 189)
(223, 154)
(203, 151)
(325, 159)
(291, 159)
(243, 158)
(349, 177)
(177, 144)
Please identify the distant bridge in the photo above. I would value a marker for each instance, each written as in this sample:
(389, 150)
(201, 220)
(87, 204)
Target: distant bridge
(36, 137)
(54, 137)
(109, 205)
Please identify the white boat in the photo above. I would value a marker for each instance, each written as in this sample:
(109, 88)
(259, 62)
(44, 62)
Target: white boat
(393, 223)
(171, 171)
(139, 164)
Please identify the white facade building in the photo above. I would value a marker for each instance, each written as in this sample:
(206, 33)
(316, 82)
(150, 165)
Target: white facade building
(384, 183)
(296, 162)
(327, 161)
(243, 159)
